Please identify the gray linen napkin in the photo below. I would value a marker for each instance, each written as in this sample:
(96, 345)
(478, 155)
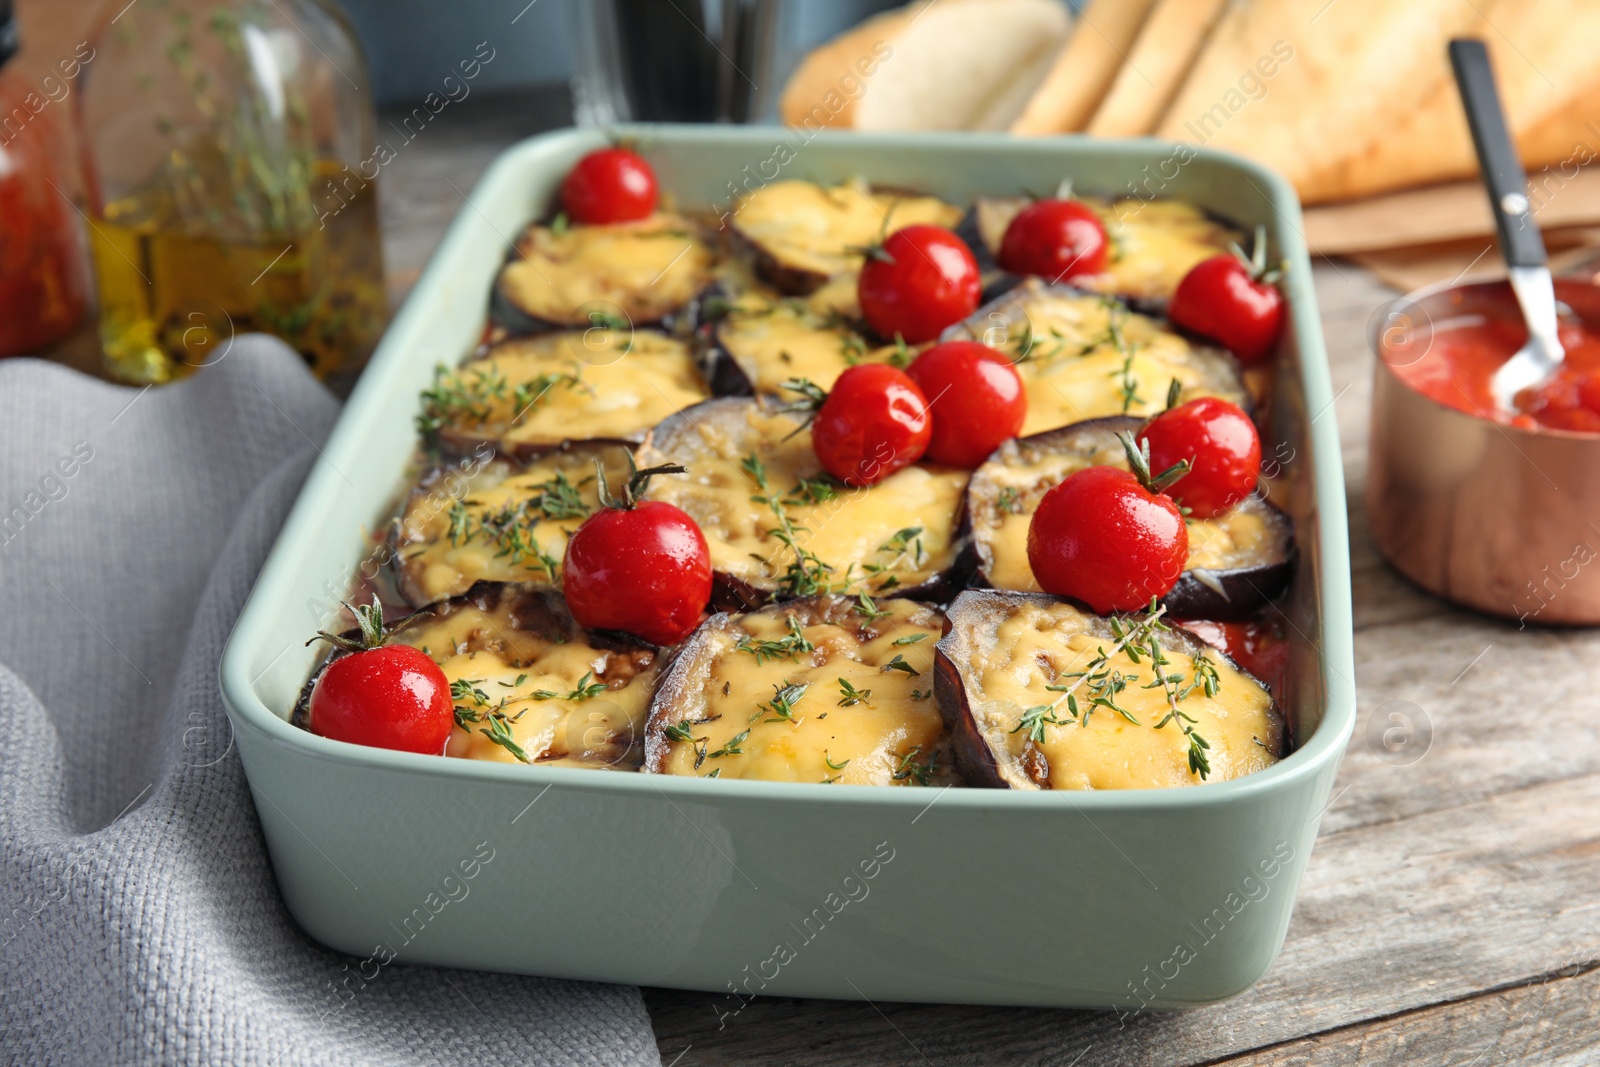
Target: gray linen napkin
(139, 922)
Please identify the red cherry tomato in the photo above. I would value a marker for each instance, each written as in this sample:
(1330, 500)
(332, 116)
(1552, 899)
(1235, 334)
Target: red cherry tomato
(1219, 299)
(392, 696)
(1222, 446)
(644, 570)
(874, 421)
(976, 398)
(1055, 239)
(1102, 538)
(922, 280)
(609, 185)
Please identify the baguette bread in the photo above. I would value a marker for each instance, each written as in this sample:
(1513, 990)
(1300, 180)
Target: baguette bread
(1084, 70)
(1158, 64)
(1365, 102)
(938, 65)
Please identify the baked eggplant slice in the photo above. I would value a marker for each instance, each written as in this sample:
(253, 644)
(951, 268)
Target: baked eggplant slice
(1154, 243)
(801, 234)
(762, 340)
(531, 686)
(825, 689)
(1038, 694)
(779, 527)
(498, 521)
(569, 277)
(527, 395)
(1083, 356)
(1237, 561)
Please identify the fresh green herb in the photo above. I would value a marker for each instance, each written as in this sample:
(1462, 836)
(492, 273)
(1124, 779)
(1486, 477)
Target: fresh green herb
(813, 491)
(1129, 381)
(607, 321)
(832, 766)
(513, 685)
(910, 639)
(921, 694)
(849, 695)
(458, 523)
(716, 772)
(466, 397)
(1009, 501)
(1205, 678)
(788, 647)
(920, 773)
(525, 396)
(584, 690)
(558, 225)
(466, 689)
(785, 697)
(731, 748)
(560, 499)
(499, 731)
(868, 609)
(1035, 719)
(807, 574)
(899, 664)
(680, 731)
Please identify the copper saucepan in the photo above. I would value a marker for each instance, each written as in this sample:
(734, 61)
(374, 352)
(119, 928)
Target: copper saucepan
(1490, 516)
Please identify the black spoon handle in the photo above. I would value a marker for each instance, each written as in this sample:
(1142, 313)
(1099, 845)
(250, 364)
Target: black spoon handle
(1503, 175)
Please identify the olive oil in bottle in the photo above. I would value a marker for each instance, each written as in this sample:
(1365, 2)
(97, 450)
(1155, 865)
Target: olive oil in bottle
(222, 149)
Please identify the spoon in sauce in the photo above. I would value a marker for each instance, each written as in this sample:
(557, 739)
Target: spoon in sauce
(1520, 241)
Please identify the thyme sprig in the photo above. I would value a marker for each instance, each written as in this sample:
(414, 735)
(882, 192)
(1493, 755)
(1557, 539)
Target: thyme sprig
(807, 574)
(909, 768)
(850, 696)
(370, 629)
(584, 690)
(784, 698)
(787, 647)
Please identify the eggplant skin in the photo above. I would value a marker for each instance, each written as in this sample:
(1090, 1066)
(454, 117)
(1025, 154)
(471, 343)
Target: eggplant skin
(617, 272)
(714, 662)
(1224, 594)
(972, 619)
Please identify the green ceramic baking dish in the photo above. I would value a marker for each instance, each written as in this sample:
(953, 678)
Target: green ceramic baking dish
(1139, 899)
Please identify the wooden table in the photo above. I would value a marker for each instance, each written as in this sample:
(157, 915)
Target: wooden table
(1451, 912)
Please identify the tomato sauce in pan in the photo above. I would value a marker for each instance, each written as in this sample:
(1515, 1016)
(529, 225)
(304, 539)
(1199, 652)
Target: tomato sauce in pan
(1464, 353)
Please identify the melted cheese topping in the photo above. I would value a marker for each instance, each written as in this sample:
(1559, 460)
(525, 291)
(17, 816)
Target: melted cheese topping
(1014, 482)
(576, 385)
(820, 229)
(1074, 368)
(508, 669)
(503, 524)
(889, 734)
(775, 339)
(1035, 645)
(892, 535)
(638, 271)
(1154, 243)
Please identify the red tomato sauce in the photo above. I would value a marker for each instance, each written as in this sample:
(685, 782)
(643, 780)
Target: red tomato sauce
(1258, 646)
(1464, 354)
